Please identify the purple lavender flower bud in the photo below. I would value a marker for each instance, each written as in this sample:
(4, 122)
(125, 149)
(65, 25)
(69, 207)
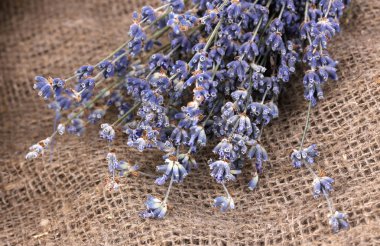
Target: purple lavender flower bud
(96, 115)
(187, 161)
(197, 136)
(114, 165)
(314, 13)
(228, 110)
(182, 40)
(135, 47)
(225, 203)
(84, 71)
(151, 98)
(274, 39)
(135, 86)
(179, 22)
(240, 95)
(171, 169)
(136, 32)
(61, 129)
(158, 61)
(148, 14)
(239, 144)
(225, 150)
(221, 171)
(338, 221)
(238, 69)
(141, 136)
(179, 136)
(180, 69)
(44, 86)
(253, 182)
(107, 132)
(289, 4)
(322, 185)
(306, 29)
(87, 83)
(76, 127)
(305, 156)
(155, 208)
(200, 61)
(108, 69)
(160, 81)
(121, 62)
(263, 113)
(249, 49)
(290, 18)
(217, 53)
(235, 9)
(177, 5)
(189, 115)
(241, 123)
(232, 31)
(311, 153)
(38, 149)
(260, 154)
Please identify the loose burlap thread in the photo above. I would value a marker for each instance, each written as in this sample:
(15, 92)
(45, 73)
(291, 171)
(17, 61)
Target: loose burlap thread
(65, 202)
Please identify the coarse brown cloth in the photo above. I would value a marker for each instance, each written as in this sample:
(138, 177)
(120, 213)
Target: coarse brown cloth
(65, 202)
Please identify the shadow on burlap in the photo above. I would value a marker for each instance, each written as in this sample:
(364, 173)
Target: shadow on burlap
(65, 202)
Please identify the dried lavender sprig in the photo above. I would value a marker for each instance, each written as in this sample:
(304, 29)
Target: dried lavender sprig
(323, 185)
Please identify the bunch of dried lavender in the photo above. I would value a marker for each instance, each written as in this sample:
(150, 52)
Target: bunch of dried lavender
(194, 71)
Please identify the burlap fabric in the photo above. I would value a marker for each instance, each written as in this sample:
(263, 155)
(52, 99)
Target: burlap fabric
(65, 202)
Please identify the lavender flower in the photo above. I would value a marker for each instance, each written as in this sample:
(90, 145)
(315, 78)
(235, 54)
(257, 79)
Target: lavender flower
(171, 169)
(260, 154)
(96, 115)
(47, 87)
(76, 127)
(38, 149)
(108, 69)
(322, 185)
(305, 156)
(85, 71)
(221, 171)
(61, 129)
(338, 221)
(122, 167)
(107, 132)
(253, 182)
(155, 208)
(225, 203)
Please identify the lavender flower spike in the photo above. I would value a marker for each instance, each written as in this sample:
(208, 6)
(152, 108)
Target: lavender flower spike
(338, 221)
(107, 132)
(155, 208)
(322, 185)
(225, 203)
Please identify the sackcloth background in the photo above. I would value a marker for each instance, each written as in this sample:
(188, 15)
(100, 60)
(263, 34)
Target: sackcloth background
(65, 202)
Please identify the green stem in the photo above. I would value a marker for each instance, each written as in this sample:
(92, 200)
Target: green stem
(328, 9)
(209, 41)
(168, 190)
(225, 189)
(264, 96)
(209, 115)
(306, 126)
(282, 11)
(125, 115)
(311, 170)
(306, 17)
(329, 202)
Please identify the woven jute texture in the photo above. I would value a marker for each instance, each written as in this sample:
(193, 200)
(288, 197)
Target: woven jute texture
(65, 202)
